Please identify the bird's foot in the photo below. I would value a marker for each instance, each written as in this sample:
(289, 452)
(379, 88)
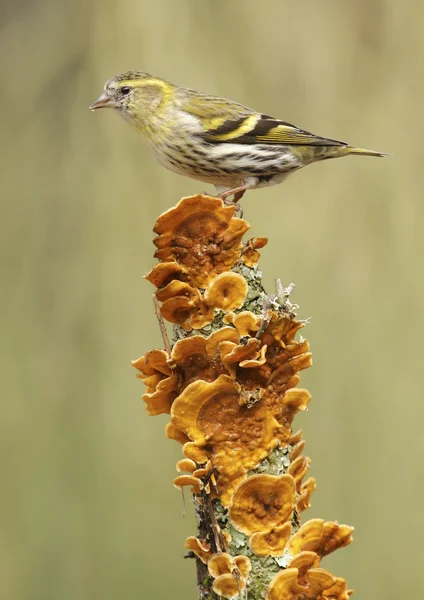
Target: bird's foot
(237, 194)
(237, 207)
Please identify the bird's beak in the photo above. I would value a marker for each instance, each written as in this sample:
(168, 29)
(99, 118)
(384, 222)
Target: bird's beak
(103, 101)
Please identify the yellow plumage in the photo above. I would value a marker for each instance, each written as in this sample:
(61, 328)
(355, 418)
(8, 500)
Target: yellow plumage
(213, 139)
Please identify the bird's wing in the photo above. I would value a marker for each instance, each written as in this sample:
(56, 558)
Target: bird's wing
(261, 129)
(227, 121)
(254, 128)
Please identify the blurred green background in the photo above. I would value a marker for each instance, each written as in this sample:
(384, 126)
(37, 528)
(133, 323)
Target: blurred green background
(87, 505)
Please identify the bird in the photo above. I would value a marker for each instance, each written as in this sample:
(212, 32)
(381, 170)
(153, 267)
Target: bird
(215, 140)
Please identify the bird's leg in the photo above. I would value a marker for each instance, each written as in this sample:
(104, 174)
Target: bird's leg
(237, 194)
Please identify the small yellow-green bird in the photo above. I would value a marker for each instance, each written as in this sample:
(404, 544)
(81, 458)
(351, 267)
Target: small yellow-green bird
(213, 139)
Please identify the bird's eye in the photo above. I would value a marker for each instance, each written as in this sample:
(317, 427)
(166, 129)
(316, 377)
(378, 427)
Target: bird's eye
(125, 90)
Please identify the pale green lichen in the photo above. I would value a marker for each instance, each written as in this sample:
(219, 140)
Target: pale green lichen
(276, 463)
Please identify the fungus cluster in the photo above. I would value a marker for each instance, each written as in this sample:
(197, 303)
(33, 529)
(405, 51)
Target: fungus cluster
(199, 242)
(229, 383)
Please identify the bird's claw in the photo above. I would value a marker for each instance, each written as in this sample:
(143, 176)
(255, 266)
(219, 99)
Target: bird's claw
(237, 207)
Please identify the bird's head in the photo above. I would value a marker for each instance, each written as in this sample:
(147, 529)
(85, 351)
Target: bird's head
(136, 95)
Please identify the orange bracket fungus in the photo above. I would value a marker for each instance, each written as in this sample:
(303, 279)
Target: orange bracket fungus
(230, 574)
(229, 382)
(262, 502)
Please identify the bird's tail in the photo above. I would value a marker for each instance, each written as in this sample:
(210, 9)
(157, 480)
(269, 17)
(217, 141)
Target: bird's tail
(364, 152)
